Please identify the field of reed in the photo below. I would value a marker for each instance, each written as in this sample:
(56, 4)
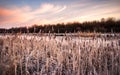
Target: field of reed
(59, 55)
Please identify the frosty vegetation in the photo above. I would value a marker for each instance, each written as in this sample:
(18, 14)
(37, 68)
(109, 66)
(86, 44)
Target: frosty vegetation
(59, 55)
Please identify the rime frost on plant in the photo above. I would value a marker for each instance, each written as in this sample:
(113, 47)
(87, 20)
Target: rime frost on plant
(58, 55)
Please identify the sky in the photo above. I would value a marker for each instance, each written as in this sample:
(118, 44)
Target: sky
(19, 13)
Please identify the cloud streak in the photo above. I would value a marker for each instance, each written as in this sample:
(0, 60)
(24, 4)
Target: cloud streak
(52, 13)
(27, 15)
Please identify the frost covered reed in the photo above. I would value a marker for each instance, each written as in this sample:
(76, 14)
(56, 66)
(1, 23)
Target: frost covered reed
(59, 55)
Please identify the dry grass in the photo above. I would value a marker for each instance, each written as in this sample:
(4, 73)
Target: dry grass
(50, 55)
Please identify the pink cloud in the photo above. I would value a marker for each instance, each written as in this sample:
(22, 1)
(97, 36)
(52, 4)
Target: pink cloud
(14, 15)
(25, 15)
(51, 14)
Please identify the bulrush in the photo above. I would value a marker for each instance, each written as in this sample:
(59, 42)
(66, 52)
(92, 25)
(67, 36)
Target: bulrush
(59, 55)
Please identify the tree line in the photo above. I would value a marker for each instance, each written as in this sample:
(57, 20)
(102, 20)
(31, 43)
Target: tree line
(103, 26)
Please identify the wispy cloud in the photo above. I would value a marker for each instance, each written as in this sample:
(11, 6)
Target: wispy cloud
(28, 15)
(87, 11)
(57, 12)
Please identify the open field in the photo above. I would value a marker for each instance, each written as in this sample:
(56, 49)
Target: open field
(59, 55)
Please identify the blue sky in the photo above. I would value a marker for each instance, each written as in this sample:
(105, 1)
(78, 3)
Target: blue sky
(16, 13)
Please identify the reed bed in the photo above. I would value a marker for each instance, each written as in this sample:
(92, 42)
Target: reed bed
(59, 55)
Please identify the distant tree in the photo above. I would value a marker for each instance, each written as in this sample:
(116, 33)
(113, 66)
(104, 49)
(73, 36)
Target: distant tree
(105, 25)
